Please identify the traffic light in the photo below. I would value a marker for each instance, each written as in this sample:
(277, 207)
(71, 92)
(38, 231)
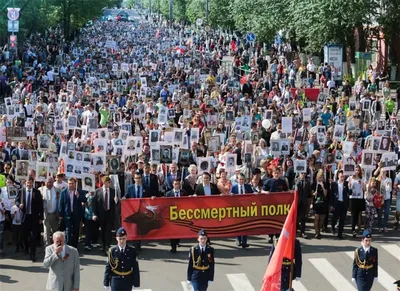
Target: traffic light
(13, 41)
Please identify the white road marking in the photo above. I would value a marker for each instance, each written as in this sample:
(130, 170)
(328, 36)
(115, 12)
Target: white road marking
(337, 280)
(240, 282)
(392, 249)
(186, 286)
(298, 286)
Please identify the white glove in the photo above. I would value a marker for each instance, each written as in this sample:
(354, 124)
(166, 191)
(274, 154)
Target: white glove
(189, 282)
(209, 282)
(107, 288)
(353, 280)
(297, 279)
(375, 279)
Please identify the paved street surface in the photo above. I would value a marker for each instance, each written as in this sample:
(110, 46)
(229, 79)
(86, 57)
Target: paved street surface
(327, 266)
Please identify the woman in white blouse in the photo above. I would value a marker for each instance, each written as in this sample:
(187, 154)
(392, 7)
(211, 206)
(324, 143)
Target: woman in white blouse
(386, 190)
(357, 202)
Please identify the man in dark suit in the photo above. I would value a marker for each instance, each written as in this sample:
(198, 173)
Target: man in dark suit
(172, 175)
(138, 190)
(175, 192)
(303, 188)
(339, 203)
(150, 180)
(365, 264)
(269, 83)
(206, 188)
(70, 211)
(30, 201)
(19, 151)
(7, 150)
(104, 210)
(241, 188)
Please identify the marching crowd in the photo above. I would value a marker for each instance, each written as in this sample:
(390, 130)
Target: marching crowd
(132, 110)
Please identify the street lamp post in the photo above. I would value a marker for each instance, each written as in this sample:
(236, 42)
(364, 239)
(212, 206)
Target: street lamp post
(170, 12)
(207, 11)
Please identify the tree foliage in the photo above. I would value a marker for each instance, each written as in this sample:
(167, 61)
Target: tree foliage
(39, 15)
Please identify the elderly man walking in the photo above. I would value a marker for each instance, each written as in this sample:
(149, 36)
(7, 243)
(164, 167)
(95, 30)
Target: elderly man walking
(62, 261)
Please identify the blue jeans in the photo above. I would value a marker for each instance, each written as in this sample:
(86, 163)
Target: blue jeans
(386, 209)
(1, 234)
(199, 286)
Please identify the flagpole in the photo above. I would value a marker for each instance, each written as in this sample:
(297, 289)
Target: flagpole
(291, 275)
(294, 249)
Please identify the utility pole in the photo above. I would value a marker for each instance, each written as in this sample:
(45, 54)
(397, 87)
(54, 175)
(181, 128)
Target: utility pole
(207, 11)
(170, 12)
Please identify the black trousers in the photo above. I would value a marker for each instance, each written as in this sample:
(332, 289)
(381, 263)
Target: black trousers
(301, 216)
(357, 206)
(30, 231)
(106, 228)
(175, 243)
(339, 213)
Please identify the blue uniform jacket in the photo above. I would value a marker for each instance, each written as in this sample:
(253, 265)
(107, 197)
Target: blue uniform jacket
(122, 269)
(201, 267)
(365, 268)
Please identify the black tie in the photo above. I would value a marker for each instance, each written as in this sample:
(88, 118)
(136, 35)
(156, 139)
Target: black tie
(147, 181)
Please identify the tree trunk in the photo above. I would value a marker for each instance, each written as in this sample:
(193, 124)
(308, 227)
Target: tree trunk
(395, 53)
(361, 39)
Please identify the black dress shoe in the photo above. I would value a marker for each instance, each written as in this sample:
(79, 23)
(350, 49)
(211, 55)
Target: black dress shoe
(238, 243)
(333, 230)
(340, 236)
(173, 251)
(245, 246)
(33, 257)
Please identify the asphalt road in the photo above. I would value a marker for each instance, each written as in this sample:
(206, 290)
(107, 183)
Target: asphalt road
(327, 265)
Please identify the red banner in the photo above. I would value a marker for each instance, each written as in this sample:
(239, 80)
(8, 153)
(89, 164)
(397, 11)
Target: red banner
(220, 216)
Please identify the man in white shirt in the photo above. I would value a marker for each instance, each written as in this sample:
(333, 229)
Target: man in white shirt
(50, 75)
(50, 225)
(311, 68)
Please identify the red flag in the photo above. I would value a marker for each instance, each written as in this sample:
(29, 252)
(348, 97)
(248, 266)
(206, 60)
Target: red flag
(283, 249)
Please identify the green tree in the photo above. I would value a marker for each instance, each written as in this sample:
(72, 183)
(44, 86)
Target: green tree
(389, 21)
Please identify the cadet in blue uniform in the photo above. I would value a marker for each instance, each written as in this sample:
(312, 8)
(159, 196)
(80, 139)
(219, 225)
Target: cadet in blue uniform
(297, 265)
(122, 269)
(365, 265)
(201, 264)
